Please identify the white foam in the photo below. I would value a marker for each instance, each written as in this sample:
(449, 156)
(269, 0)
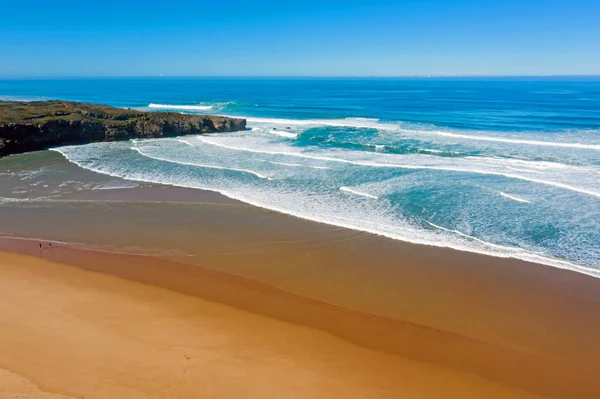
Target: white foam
(281, 133)
(292, 203)
(517, 141)
(460, 233)
(514, 198)
(346, 122)
(184, 107)
(299, 165)
(354, 191)
(524, 170)
(260, 175)
(11, 199)
(372, 123)
(185, 142)
(471, 168)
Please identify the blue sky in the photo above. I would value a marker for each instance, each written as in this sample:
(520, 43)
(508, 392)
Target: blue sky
(310, 38)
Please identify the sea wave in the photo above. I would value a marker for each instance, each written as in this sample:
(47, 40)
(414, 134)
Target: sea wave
(282, 133)
(303, 208)
(416, 130)
(181, 107)
(200, 165)
(345, 122)
(299, 165)
(469, 164)
(595, 147)
(401, 127)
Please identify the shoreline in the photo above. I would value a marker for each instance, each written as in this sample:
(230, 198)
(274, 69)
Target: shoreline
(488, 249)
(529, 257)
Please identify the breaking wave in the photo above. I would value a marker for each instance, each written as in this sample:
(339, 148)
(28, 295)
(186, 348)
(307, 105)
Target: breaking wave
(472, 165)
(407, 129)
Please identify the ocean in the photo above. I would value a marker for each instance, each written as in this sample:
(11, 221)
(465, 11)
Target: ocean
(507, 167)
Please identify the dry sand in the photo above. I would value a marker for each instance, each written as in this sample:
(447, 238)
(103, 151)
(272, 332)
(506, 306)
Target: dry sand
(71, 333)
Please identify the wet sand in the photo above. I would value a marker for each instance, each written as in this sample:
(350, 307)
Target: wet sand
(434, 322)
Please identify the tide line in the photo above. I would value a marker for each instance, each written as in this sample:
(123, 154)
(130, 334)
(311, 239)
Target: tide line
(486, 249)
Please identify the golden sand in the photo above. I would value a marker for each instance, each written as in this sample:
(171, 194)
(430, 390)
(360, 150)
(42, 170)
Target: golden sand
(71, 333)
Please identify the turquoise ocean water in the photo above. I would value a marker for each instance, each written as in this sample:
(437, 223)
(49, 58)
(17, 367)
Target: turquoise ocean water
(506, 167)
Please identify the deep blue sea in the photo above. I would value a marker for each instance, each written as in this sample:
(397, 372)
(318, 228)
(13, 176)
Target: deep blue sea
(507, 166)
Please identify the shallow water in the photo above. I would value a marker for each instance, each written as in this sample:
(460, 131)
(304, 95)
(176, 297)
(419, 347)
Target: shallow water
(503, 167)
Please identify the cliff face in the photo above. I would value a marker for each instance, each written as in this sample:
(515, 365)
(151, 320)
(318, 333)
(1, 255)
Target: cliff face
(33, 126)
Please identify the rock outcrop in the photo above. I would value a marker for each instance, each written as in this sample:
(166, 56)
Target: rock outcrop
(38, 125)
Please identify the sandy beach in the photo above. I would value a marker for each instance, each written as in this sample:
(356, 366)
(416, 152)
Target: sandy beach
(295, 309)
(73, 333)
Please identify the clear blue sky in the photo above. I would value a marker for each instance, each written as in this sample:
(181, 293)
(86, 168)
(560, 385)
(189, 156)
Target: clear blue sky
(309, 38)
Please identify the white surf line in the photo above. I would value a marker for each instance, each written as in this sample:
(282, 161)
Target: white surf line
(516, 253)
(367, 123)
(543, 165)
(299, 165)
(419, 167)
(511, 250)
(518, 141)
(275, 163)
(264, 160)
(514, 198)
(524, 170)
(200, 165)
(353, 191)
(186, 107)
(13, 199)
(465, 235)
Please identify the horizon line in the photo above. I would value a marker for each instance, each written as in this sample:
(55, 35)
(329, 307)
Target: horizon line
(424, 76)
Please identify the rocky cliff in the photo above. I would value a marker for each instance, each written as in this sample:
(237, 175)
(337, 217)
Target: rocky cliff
(37, 125)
